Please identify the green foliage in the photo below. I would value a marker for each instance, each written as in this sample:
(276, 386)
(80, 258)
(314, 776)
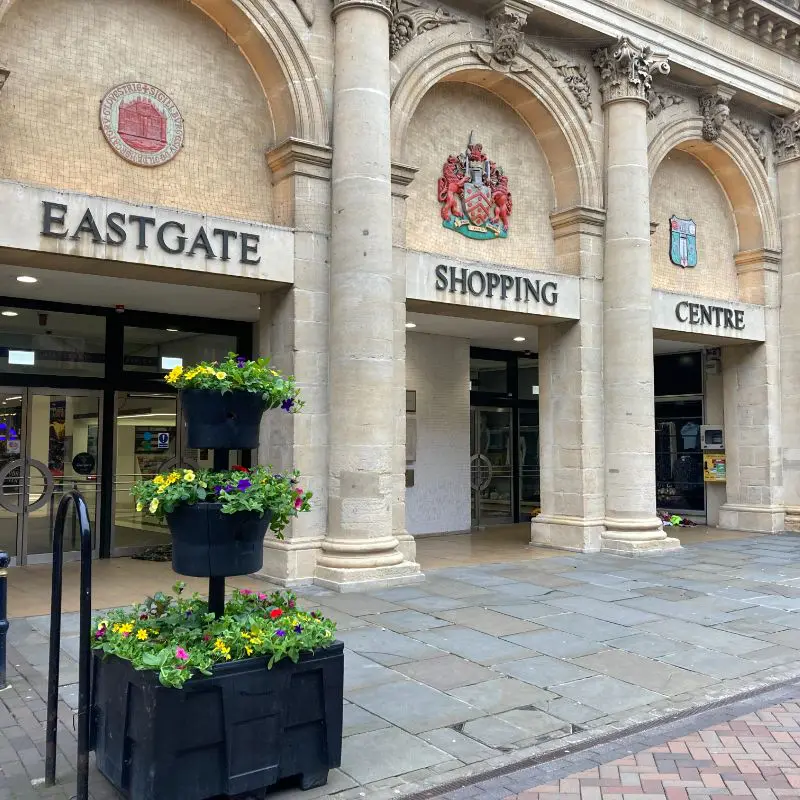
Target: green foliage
(237, 374)
(236, 490)
(178, 637)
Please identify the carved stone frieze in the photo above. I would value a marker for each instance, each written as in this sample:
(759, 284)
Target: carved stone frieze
(4, 73)
(786, 137)
(756, 137)
(574, 75)
(410, 19)
(626, 70)
(715, 110)
(505, 29)
(658, 102)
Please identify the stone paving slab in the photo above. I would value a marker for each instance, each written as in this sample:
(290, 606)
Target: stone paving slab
(480, 667)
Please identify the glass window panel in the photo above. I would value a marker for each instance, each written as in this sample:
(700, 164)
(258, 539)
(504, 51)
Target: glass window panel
(528, 384)
(679, 460)
(159, 350)
(488, 375)
(678, 373)
(52, 343)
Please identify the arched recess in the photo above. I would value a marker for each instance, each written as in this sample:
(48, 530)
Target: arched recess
(265, 35)
(548, 109)
(737, 168)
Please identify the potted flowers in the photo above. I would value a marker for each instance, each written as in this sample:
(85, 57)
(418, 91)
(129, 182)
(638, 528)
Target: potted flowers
(223, 402)
(189, 707)
(218, 520)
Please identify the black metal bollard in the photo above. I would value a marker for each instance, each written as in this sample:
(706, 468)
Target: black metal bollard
(4, 562)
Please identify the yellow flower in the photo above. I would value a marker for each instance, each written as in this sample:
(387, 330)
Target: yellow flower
(159, 479)
(204, 484)
(141, 635)
(248, 650)
(126, 628)
(139, 505)
(174, 374)
(221, 375)
(153, 507)
(155, 633)
(188, 475)
(116, 627)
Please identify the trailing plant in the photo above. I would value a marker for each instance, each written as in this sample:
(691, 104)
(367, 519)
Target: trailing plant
(177, 637)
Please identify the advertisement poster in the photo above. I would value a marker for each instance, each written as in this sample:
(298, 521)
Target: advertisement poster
(714, 467)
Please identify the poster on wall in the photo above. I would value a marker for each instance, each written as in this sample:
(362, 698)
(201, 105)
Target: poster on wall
(714, 467)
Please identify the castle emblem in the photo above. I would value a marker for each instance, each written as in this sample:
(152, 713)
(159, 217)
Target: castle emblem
(682, 242)
(474, 195)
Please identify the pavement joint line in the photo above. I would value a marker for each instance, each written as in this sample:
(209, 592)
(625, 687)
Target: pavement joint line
(650, 727)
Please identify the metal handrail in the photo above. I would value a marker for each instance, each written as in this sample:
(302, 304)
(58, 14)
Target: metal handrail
(84, 656)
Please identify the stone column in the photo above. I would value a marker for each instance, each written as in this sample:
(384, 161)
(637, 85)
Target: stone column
(632, 525)
(360, 549)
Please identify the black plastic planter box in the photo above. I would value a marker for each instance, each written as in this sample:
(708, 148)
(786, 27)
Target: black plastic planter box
(238, 731)
(222, 421)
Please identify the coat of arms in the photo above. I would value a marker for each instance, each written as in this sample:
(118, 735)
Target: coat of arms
(474, 195)
(682, 242)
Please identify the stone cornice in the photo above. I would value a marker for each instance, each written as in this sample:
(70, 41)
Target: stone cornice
(298, 157)
(377, 5)
(626, 70)
(762, 259)
(578, 220)
(786, 137)
(402, 176)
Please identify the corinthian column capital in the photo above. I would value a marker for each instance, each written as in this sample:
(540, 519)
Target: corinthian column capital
(382, 6)
(786, 137)
(626, 70)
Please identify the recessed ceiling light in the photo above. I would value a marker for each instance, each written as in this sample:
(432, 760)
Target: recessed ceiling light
(172, 330)
(9, 313)
(411, 324)
(519, 338)
(27, 279)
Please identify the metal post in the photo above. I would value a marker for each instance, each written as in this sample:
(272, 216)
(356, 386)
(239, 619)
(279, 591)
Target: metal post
(4, 562)
(216, 585)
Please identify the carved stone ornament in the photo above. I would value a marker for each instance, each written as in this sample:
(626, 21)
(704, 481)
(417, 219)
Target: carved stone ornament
(657, 102)
(626, 70)
(756, 137)
(505, 29)
(306, 9)
(4, 73)
(574, 75)
(716, 111)
(410, 19)
(786, 137)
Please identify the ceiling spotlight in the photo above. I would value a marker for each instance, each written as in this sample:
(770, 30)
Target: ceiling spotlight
(411, 324)
(9, 313)
(519, 338)
(27, 279)
(172, 330)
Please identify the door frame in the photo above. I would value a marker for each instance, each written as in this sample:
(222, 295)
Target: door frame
(22, 556)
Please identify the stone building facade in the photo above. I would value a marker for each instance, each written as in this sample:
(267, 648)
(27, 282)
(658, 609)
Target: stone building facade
(600, 195)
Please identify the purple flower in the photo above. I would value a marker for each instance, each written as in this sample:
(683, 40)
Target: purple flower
(281, 633)
(240, 361)
(287, 404)
(243, 484)
(298, 628)
(217, 489)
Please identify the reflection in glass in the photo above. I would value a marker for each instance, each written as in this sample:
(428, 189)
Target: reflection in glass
(11, 490)
(158, 350)
(490, 436)
(679, 460)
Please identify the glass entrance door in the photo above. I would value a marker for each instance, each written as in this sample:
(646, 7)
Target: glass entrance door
(150, 438)
(491, 465)
(49, 445)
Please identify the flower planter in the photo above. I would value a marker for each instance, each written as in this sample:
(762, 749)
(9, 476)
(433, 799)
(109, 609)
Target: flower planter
(238, 731)
(206, 542)
(217, 421)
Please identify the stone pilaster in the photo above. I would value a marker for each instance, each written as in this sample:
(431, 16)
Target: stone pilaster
(632, 525)
(361, 548)
(571, 396)
(786, 134)
(293, 330)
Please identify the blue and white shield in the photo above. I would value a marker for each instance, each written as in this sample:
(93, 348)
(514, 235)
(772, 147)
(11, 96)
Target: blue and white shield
(682, 242)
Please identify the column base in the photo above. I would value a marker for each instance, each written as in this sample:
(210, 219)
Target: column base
(290, 562)
(407, 545)
(635, 537)
(350, 579)
(791, 521)
(567, 533)
(755, 519)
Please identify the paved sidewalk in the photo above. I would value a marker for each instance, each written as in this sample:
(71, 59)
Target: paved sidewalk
(480, 668)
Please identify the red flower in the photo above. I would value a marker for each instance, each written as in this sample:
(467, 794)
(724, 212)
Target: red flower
(239, 468)
(275, 613)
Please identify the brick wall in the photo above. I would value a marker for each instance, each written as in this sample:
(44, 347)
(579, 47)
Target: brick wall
(440, 128)
(684, 187)
(437, 368)
(65, 55)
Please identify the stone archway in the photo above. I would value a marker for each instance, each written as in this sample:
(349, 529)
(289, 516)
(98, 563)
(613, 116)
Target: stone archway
(265, 34)
(552, 114)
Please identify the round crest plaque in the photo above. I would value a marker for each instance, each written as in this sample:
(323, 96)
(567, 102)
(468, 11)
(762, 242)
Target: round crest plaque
(142, 124)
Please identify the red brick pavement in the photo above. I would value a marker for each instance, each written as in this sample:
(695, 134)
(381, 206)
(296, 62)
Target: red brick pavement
(756, 756)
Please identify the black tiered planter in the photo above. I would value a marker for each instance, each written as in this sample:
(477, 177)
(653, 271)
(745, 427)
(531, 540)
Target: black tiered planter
(236, 732)
(216, 421)
(208, 543)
